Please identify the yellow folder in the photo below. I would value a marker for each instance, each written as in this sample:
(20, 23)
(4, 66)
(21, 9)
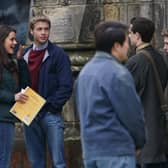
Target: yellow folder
(26, 112)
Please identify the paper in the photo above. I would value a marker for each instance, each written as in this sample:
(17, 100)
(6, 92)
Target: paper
(26, 112)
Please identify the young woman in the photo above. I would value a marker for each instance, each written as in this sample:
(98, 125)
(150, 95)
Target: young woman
(13, 76)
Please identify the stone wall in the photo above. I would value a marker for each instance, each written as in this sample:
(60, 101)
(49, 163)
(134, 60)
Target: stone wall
(73, 21)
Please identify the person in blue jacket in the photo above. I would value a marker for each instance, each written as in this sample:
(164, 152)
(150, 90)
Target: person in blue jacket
(13, 76)
(110, 111)
(51, 77)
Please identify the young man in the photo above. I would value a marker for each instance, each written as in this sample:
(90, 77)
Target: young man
(51, 77)
(165, 41)
(165, 57)
(111, 115)
(141, 33)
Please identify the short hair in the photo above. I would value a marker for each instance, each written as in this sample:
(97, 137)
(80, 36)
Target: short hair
(164, 32)
(144, 26)
(109, 32)
(132, 20)
(39, 18)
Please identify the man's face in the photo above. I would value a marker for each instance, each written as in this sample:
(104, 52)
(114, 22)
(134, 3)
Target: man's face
(40, 32)
(123, 50)
(132, 36)
(165, 39)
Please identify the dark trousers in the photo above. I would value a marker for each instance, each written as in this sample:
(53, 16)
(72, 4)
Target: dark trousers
(154, 165)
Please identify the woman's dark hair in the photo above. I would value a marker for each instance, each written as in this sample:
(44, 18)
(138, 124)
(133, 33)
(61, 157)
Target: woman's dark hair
(108, 33)
(5, 58)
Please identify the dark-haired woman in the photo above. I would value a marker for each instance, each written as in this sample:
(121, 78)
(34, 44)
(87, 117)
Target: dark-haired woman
(13, 76)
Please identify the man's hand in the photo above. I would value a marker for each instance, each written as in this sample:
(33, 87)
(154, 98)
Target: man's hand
(20, 51)
(138, 152)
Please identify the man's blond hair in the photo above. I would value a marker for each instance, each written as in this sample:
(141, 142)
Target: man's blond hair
(41, 18)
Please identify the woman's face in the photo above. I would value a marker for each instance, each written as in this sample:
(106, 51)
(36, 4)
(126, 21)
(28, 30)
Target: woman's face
(10, 43)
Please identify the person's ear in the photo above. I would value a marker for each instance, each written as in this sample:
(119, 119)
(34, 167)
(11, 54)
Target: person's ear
(30, 35)
(138, 35)
(115, 49)
(117, 46)
(31, 32)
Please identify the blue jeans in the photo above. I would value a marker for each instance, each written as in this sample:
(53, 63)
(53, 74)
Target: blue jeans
(111, 162)
(6, 142)
(47, 130)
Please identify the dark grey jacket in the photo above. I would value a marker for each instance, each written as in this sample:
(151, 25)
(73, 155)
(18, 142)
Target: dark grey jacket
(143, 74)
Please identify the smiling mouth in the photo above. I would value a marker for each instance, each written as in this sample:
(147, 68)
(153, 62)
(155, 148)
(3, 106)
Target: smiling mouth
(12, 48)
(43, 38)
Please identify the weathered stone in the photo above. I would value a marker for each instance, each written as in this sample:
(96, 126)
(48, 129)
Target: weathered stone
(74, 20)
(66, 2)
(92, 16)
(63, 24)
(111, 12)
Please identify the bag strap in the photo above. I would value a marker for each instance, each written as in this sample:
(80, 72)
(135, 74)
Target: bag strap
(157, 79)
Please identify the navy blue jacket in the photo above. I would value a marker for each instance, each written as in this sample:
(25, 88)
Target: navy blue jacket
(55, 78)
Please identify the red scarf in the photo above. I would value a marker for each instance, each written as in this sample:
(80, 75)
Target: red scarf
(34, 63)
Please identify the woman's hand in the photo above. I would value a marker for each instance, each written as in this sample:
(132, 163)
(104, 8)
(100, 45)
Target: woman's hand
(21, 97)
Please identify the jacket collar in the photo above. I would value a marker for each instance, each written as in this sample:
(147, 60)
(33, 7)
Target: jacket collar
(41, 47)
(101, 54)
(46, 55)
(142, 46)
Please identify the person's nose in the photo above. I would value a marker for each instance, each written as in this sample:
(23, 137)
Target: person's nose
(44, 31)
(165, 46)
(15, 42)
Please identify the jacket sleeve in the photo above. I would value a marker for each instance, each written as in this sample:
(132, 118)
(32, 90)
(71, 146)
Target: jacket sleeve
(24, 80)
(138, 67)
(129, 109)
(63, 91)
(6, 96)
(24, 76)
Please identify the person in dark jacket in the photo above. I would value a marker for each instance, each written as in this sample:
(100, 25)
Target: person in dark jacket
(141, 33)
(165, 57)
(111, 113)
(13, 76)
(165, 47)
(51, 77)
